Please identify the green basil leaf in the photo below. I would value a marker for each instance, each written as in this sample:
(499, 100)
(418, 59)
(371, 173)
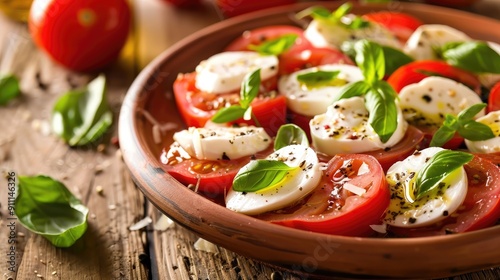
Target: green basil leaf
(445, 132)
(358, 23)
(316, 12)
(9, 88)
(82, 116)
(471, 112)
(229, 114)
(46, 207)
(249, 88)
(275, 46)
(320, 78)
(358, 88)
(290, 134)
(442, 164)
(370, 59)
(380, 101)
(475, 131)
(342, 11)
(476, 57)
(260, 174)
(394, 59)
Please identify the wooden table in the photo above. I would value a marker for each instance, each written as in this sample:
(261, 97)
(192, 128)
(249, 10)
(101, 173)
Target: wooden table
(109, 249)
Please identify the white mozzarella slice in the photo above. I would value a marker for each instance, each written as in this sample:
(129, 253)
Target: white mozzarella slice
(426, 103)
(426, 38)
(224, 72)
(293, 188)
(325, 34)
(223, 142)
(314, 101)
(492, 145)
(344, 128)
(438, 205)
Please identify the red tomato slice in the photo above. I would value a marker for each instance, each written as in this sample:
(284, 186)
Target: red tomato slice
(197, 107)
(416, 71)
(494, 98)
(480, 209)
(298, 59)
(207, 176)
(332, 209)
(401, 24)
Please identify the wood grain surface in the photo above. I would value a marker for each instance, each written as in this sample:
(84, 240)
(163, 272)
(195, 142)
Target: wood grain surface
(109, 249)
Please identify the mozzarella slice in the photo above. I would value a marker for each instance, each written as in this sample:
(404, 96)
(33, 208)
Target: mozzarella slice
(430, 209)
(293, 188)
(314, 101)
(426, 103)
(344, 128)
(223, 142)
(326, 34)
(426, 38)
(492, 145)
(224, 72)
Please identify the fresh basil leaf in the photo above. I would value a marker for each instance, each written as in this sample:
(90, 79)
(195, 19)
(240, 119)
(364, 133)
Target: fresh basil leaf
(276, 46)
(316, 12)
(260, 174)
(471, 112)
(394, 59)
(82, 116)
(358, 88)
(290, 134)
(358, 23)
(9, 88)
(437, 168)
(380, 101)
(342, 11)
(474, 56)
(249, 88)
(445, 132)
(370, 59)
(46, 207)
(475, 131)
(229, 114)
(320, 78)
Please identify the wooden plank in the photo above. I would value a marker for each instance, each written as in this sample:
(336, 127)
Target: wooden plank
(108, 250)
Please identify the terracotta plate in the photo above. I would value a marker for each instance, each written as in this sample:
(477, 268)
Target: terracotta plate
(301, 251)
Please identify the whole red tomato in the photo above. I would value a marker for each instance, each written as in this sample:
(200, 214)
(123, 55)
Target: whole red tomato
(80, 35)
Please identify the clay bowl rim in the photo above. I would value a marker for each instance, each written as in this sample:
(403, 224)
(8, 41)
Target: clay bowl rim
(190, 209)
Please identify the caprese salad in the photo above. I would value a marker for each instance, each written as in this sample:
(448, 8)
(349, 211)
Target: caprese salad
(353, 125)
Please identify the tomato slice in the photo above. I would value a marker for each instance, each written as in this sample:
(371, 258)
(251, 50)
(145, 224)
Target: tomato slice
(197, 107)
(480, 209)
(401, 24)
(416, 71)
(333, 209)
(297, 59)
(213, 177)
(494, 98)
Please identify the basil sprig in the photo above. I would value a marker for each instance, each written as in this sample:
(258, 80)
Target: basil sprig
(249, 90)
(9, 88)
(261, 174)
(275, 46)
(82, 116)
(335, 17)
(290, 134)
(320, 78)
(476, 56)
(380, 97)
(46, 207)
(463, 124)
(436, 169)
